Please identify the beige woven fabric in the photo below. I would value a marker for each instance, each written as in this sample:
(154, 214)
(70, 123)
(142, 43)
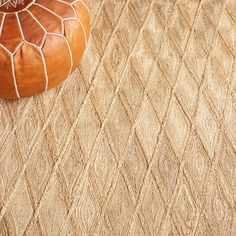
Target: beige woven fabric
(141, 140)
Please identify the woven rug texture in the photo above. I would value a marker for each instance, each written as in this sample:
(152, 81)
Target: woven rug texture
(140, 140)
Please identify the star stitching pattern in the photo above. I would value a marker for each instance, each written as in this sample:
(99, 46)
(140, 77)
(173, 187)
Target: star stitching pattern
(10, 3)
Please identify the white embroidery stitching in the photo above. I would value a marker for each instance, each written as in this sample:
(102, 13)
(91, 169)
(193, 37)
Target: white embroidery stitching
(10, 3)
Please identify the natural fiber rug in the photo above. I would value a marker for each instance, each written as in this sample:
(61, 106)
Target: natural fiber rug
(141, 140)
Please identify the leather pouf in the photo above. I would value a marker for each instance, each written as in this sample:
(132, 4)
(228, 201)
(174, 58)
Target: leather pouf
(41, 43)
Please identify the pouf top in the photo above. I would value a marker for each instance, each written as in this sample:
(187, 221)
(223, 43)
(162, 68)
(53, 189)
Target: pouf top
(8, 6)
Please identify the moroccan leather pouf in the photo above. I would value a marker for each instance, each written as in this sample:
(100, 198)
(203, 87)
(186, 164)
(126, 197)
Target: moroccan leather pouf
(41, 43)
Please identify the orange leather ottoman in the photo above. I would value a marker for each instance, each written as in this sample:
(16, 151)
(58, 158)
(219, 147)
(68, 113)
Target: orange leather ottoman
(41, 43)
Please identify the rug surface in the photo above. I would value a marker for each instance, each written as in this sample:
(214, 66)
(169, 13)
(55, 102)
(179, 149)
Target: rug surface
(141, 140)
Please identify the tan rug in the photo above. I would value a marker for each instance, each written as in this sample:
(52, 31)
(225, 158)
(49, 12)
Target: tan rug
(141, 140)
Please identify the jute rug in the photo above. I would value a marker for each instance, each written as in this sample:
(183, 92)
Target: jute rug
(141, 140)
